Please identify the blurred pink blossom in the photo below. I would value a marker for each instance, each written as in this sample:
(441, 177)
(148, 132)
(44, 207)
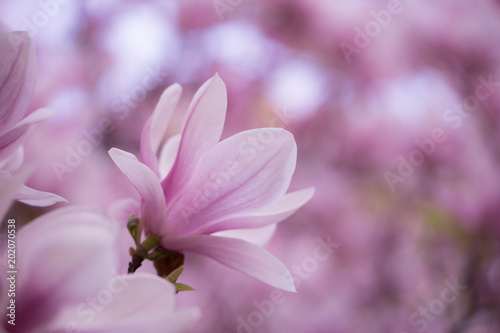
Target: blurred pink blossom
(66, 280)
(17, 78)
(17, 82)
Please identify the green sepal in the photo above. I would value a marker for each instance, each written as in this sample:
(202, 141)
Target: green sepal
(172, 277)
(182, 287)
(134, 227)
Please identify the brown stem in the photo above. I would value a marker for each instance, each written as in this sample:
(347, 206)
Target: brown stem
(142, 252)
(136, 262)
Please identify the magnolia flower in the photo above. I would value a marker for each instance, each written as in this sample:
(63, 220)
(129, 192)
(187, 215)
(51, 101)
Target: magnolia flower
(66, 281)
(199, 186)
(17, 83)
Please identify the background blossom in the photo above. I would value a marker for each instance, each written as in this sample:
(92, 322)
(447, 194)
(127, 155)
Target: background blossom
(354, 115)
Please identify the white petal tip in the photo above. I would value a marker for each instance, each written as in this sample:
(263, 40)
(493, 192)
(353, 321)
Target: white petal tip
(174, 88)
(37, 201)
(309, 193)
(115, 152)
(36, 117)
(287, 284)
(218, 79)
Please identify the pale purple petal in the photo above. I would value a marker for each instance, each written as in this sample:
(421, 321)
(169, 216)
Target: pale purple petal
(278, 212)
(17, 77)
(242, 174)
(237, 254)
(141, 303)
(156, 126)
(202, 130)
(147, 184)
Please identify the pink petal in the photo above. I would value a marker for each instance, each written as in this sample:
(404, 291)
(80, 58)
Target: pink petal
(237, 254)
(156, 125)
(17, 77)
(141, 303)
(67, 256)
(12, 139)
(14, 160)
(32, 197)
(121, 210)
(79, 230)
(168, 154)
(202, 130)
(278, 212)
(9, 185)
(36, 117)
(258, 236)
(148, 185)
(240, 175)
(162, 113)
